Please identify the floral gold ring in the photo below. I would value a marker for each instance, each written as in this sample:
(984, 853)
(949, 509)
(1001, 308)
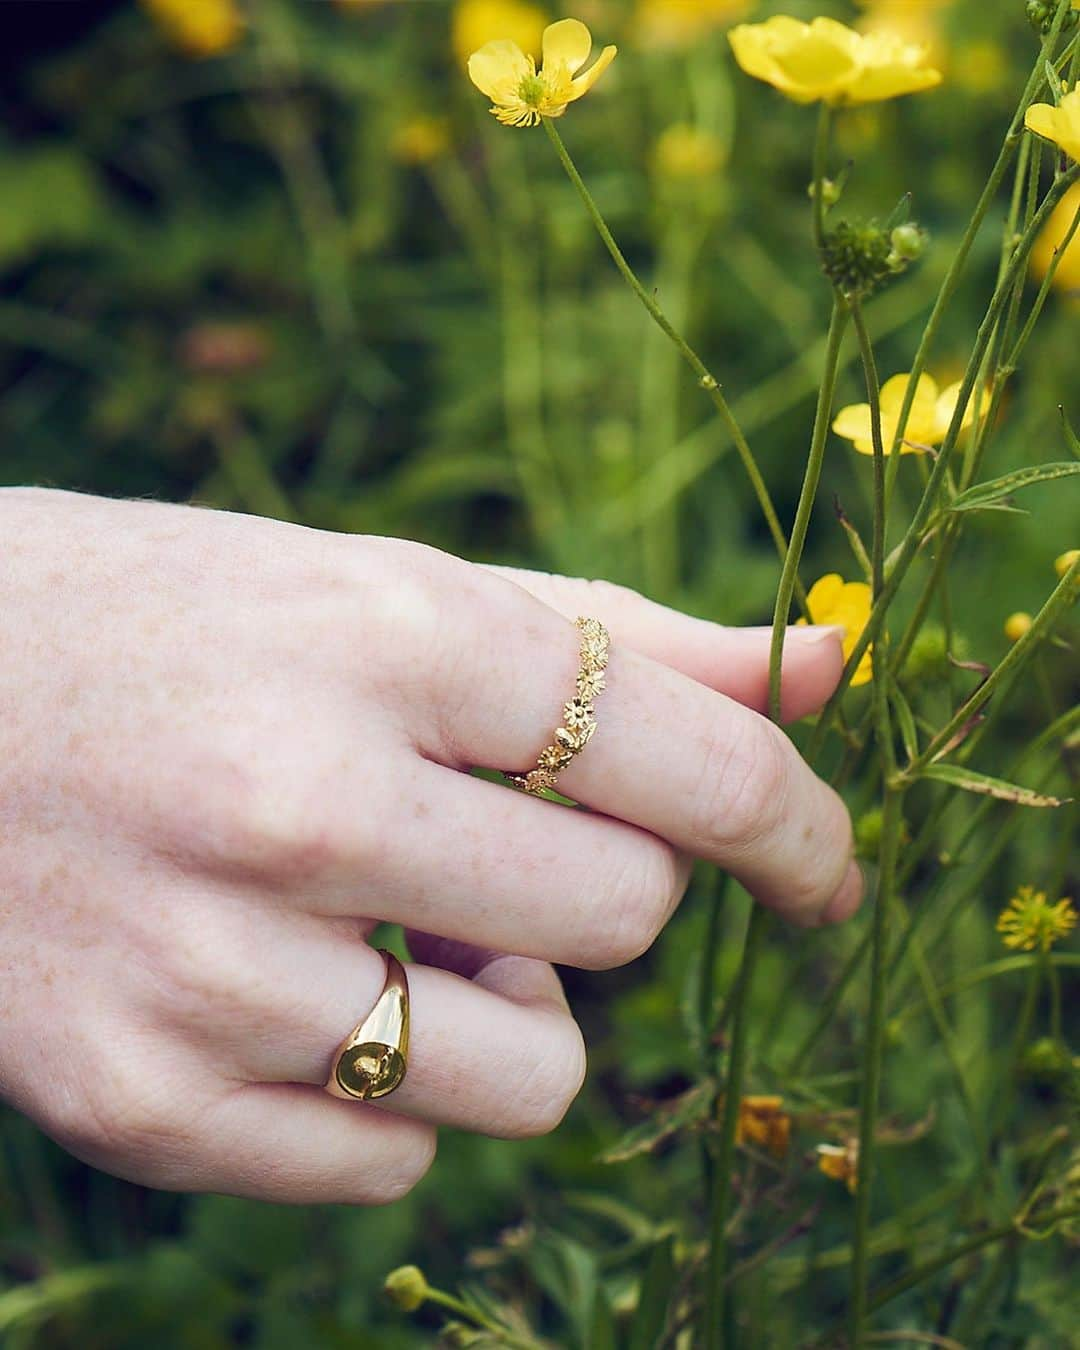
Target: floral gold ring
(579, 718)
(372, 1059)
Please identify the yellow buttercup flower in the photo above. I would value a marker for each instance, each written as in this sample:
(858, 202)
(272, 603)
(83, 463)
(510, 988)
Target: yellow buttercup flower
(1029, 923)
(1065, 560)
(521, 94)
(1016, 625)
(686, 152)
(1060, 125)
(763, 1122)
(1067, 275)
(199, 27)
(826, 60)
(928, 421)
(475, 22)
(845, 604)
(678, 23)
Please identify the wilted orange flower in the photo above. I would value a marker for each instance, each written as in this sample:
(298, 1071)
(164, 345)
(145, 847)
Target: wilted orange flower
(762, 1121)
(840, 1162)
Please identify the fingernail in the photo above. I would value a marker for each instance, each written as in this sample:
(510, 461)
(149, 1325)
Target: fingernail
(814, 633)
(848, 898)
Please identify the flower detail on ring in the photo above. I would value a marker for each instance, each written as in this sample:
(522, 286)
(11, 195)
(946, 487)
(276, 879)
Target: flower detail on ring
(927, 424)
(1029, 922)
(832, 600)
(521, 94)
(826, 60)
(1060, 125)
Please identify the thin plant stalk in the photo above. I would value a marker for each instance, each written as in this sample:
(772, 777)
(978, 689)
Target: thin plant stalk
(811, 477)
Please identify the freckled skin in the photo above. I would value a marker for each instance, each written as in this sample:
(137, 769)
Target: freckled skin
(229, 750)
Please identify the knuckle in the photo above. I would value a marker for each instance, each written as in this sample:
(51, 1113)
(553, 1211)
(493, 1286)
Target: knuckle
(743, 788)
(639, 897)
(548, 1087)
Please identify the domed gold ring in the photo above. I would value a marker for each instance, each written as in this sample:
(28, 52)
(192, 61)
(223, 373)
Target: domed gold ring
(372, 1059)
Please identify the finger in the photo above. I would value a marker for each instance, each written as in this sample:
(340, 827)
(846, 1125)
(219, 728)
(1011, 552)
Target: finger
(498, 1055)
(671, 756)
(298, 1145)
(734, 661)
(467, 860)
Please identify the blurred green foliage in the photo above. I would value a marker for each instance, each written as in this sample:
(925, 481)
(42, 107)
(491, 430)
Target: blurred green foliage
(249, 280)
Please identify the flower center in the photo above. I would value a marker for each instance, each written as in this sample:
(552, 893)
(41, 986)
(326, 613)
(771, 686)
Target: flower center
(531, 90)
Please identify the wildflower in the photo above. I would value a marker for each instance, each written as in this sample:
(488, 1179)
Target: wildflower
(475, 22)
(1060, 125)
(928, 421)
(684, 152)
(1065, 561)
(419, 140)
(832, 600)
(1029, 923)
(840, 1162)
(1067, 275)
(521, 93)
(406, 1287)
(1016, 625)
(678, 23)
(199, 27)
(763, 1122)
(826, 60)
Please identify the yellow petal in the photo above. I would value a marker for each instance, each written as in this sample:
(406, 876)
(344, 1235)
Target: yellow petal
(823, 595)
(854, 422)
(585, 82)
(498, 68)
(804, 61)
(566, 43)
(1067, 276)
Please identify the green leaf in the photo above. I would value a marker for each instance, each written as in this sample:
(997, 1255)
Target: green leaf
(905, 720)
(602, 1334)
(989, 495)
(683, 1110)
(656, 1288)
(971, 781)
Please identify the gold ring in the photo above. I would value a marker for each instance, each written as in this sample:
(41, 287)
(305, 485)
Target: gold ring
(579, 719)
(372, 1059)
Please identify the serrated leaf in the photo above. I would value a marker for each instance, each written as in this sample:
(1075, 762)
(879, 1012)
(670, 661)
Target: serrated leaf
(986, 786)
(989, 495)
(675, 1115)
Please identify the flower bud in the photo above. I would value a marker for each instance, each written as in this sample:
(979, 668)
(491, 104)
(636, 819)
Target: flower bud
(406, 1287)
(831, 191)
(1016, 625)
(1040, 14)
(1065, 561)
(908, 242)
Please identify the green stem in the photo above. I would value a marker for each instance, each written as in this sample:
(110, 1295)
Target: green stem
(707, 381)
(793, 556)
(871, 1080)
(916, 531)
(481, 1319)
(1064, 595)
(724, 1165)
(997, 175)
(873, 394)
(915, 1277)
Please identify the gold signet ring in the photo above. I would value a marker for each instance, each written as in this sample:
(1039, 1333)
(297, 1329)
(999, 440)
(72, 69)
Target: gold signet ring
(371, 1061)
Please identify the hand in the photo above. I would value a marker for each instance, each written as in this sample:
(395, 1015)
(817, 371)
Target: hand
(229, 746)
